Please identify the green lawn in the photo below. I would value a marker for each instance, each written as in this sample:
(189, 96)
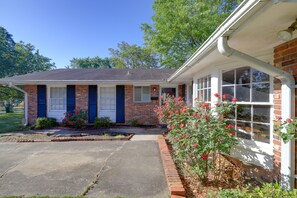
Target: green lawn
(10, 122)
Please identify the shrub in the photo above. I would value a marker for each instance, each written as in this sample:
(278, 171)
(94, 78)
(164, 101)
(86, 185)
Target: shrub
(198, 133)
(134, 122)
(102, 122)
(291, 128)
(267, 190)
(77, 119)
(42, 123)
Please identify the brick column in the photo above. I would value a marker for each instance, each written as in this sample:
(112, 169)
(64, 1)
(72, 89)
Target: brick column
(32, 102)
(81, 97)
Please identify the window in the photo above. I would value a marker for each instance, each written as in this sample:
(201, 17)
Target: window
(107, 98)
(58, 98)
(252, 90)
(204, 89)
(142, 94)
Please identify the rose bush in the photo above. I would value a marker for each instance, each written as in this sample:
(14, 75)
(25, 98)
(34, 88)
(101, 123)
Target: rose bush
(289, 124)
(78, 119)
(199, 132)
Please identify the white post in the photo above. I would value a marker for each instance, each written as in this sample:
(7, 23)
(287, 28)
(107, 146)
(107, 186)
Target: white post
(215, 78)
(287, 150)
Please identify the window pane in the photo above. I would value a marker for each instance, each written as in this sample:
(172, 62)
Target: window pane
(243, 93)
(259, 76)
(260, 92)
(244, 130)
(146, 90)
(261, 113)
(228, 77)
(205, 95)
(145, 94)
(261, 133)
(243, 75)
(244, 112)
(208, 81)
(208, 94)
(58, 92)
(229, 91)
(198, 84)
(107, 98)
(58, 98)
(137, 94)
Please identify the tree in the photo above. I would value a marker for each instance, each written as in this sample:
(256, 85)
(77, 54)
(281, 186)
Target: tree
(7, 52)
(16, 59)
(181, 26)
(133, 56)
(95, 62)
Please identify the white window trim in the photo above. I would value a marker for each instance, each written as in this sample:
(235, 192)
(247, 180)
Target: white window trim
(98, 97)
(253, 152)
(270, 103)
(48, 88)
(149, 86)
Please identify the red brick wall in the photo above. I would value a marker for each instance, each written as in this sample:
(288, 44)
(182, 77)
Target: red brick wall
(32, 102)
(81, 97)
(142, 112)
(285, 57)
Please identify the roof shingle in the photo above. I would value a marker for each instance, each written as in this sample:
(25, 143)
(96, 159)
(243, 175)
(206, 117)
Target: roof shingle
(94, 75)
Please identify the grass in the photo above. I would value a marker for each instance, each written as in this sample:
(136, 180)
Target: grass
(10, 122)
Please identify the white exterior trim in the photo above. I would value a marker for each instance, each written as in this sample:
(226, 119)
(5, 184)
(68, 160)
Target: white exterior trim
(58, 114)
(105, 113)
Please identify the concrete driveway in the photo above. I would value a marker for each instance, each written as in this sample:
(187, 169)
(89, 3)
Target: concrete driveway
(93, 169)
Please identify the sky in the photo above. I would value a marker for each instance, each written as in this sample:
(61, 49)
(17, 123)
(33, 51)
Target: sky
(64, 29)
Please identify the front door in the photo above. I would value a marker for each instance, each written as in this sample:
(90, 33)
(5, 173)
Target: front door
(107, 102)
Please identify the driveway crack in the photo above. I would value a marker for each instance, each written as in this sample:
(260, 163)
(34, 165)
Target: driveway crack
(95, 181)
(22, 161)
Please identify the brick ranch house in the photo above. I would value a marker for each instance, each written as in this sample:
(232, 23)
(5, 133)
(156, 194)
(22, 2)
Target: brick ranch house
(123, 95)
(259, 69)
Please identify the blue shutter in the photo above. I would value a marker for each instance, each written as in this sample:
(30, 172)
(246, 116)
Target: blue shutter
(41, 101)
(92, 103)
(120, 106)
(70, 98)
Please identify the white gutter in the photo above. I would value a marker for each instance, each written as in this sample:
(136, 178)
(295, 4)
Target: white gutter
(288, 95)
(10, 84)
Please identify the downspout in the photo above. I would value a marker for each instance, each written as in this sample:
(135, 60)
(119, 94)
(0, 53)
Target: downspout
(288, 98)
(10, 84)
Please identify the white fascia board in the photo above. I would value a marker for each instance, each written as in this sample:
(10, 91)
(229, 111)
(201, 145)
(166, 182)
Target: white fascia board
(83, 82)
(237, 18)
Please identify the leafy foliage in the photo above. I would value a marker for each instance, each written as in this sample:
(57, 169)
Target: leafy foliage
(78, 119)
(267, 190)
(95, 62)
(133, 56)
(102, 122)
(181, 26)
(43, 123)
(290, 125)
(198, 133)
(16, 59)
